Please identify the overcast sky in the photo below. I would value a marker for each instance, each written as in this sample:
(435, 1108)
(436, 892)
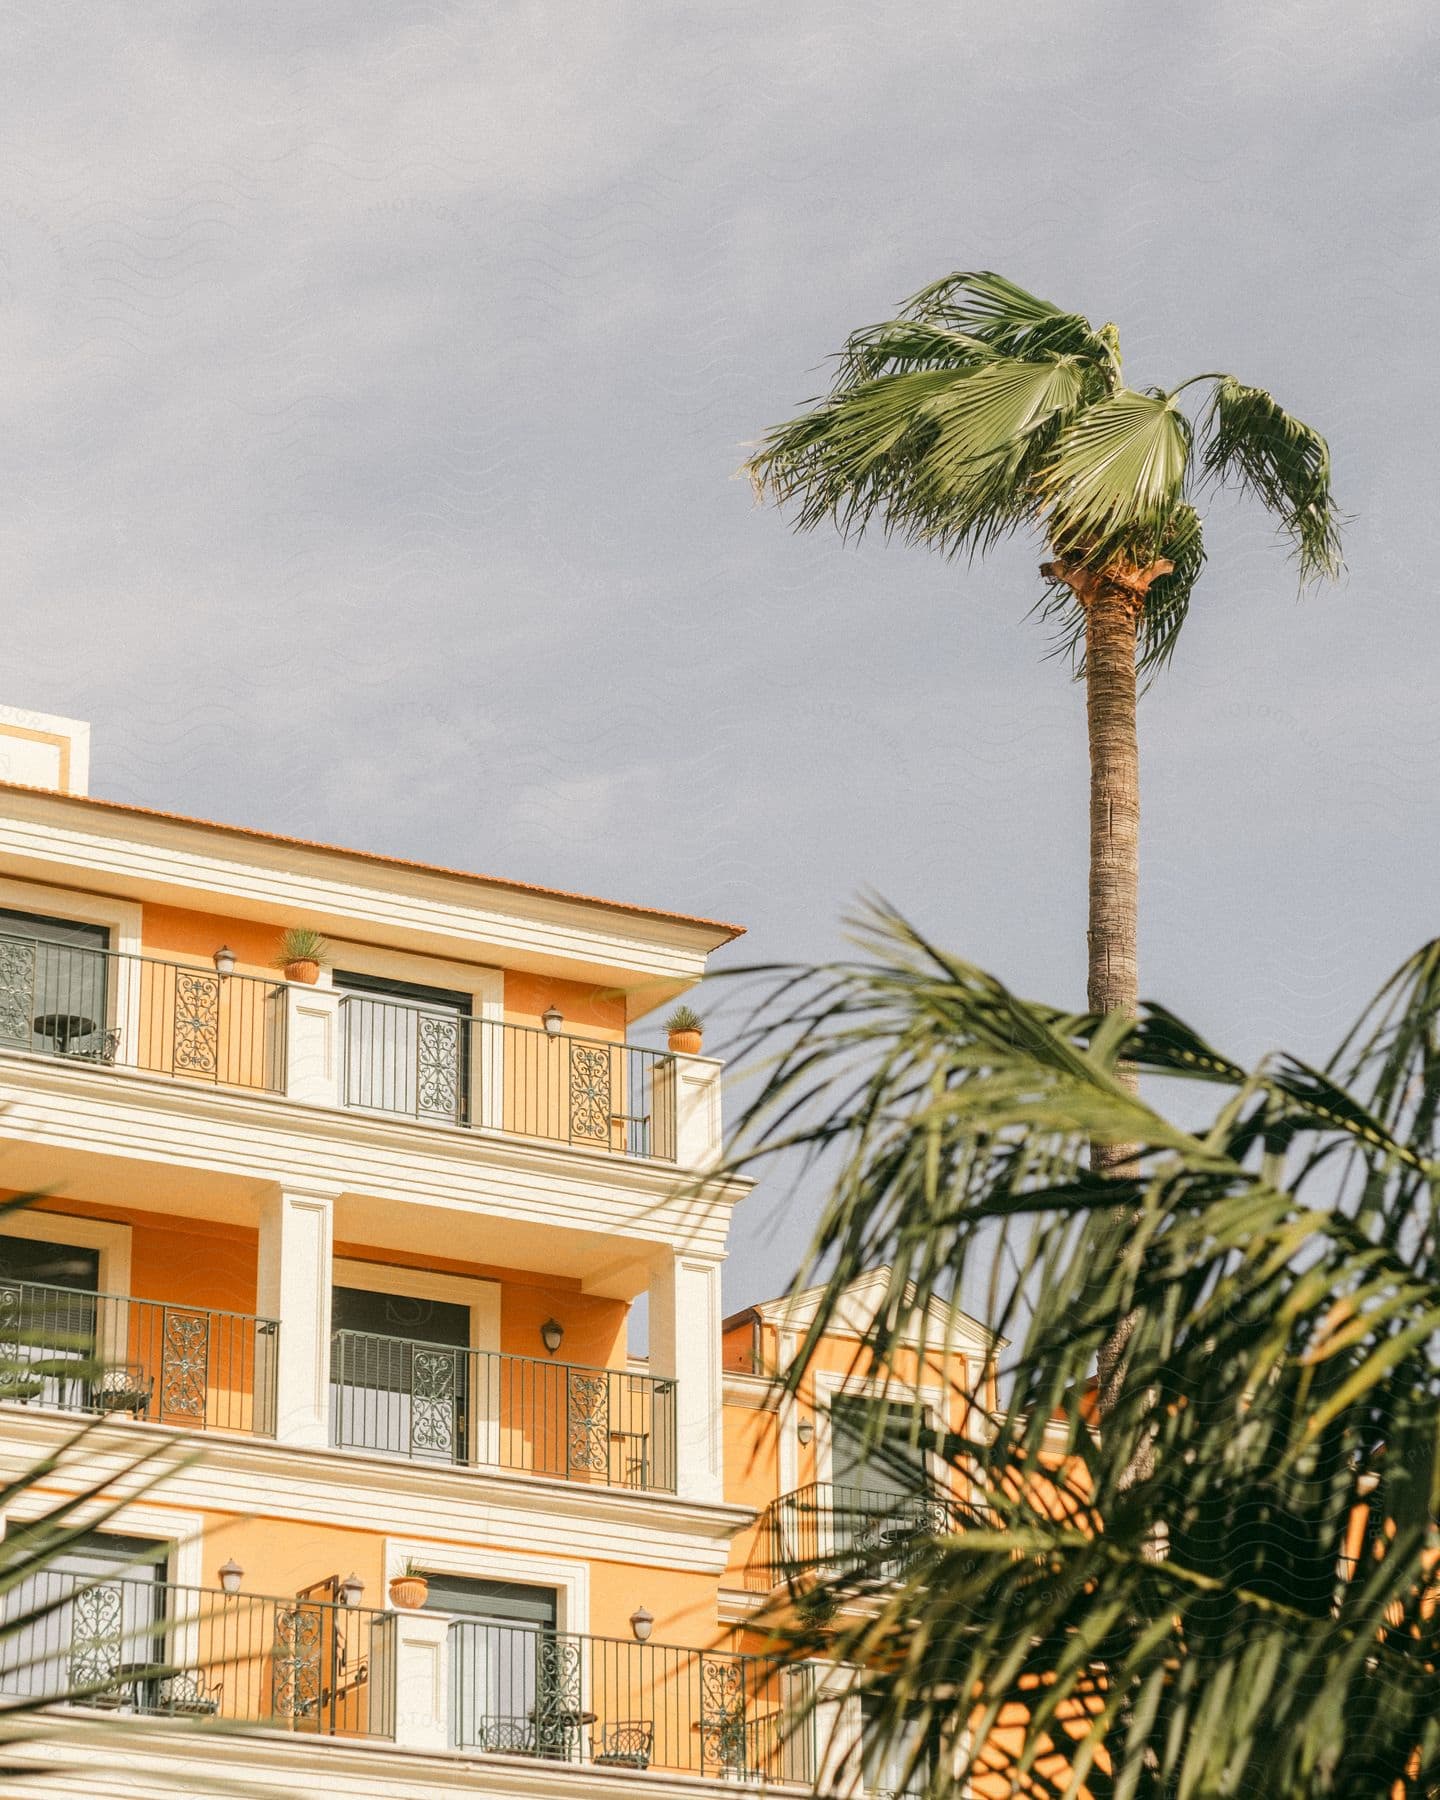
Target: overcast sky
(374, 378)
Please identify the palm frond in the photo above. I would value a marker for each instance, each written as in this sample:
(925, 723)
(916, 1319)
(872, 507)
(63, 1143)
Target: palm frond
(1251, 439)
(1115, 478)
(1255, 1614)
(1014, 322)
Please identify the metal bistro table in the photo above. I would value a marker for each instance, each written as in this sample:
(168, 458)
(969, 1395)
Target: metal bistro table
(66, 1029)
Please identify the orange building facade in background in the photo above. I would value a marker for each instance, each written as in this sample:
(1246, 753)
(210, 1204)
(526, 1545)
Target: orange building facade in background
(356, 1260)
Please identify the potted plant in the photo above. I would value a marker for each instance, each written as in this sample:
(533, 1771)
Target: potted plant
(302, 951)
(684, 1029)
(409, 1588)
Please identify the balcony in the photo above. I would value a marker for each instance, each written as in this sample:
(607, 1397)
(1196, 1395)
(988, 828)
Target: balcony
(613, 1703)
(110, 1354)
(824, 1527)
(139, 1646)
(435, 1403)
(450, 1068)
(115, 1010)
(391, 1058)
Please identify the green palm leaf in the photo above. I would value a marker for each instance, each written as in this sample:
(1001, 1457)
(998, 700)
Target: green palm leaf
(1206, 1629)
(1283, 462)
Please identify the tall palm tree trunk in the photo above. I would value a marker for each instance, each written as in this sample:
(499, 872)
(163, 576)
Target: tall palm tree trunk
(1112, 614)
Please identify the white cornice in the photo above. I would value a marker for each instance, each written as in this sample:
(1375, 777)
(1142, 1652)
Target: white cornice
(155, 1761)
(189, 863)
(255, 1139)
(252, 1477)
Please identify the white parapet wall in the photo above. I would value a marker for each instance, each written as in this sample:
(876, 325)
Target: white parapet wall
(44, 750)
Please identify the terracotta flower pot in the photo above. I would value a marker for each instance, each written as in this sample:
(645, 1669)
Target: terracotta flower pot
(686, 1043)
(307, 971)
(409, 1591)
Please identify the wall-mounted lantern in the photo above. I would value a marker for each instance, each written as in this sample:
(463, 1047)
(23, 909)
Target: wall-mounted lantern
(552, 1334)
(231, 1575)
(351, 1589)
(553, 1020)
(805, 1430)
(642, 1623)
(224, 961)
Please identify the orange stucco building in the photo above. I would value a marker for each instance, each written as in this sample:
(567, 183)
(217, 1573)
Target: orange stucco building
(352, 1262)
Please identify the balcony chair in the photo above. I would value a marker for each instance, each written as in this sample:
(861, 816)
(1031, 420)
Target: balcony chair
(186, 1695)
(123, 1387)
(506, 1736)
(627, 1744)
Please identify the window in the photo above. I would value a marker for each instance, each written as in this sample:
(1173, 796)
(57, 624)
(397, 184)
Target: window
(99, 1603)
(514, 1684)
(53, 981)
(399, 1374)
(47, 1318)
(407, 1047)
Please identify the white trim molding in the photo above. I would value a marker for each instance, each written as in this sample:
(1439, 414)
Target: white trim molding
(110, 1239)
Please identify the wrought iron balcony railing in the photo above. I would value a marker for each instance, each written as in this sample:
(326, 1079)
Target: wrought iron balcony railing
(824, 1527)
(438, 1403)
(430, 1063)
(613, 1703)
(136, 1645)
(112, 1009)
(150, 1359)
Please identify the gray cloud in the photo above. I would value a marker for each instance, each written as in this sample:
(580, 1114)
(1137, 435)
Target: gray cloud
(374, 377)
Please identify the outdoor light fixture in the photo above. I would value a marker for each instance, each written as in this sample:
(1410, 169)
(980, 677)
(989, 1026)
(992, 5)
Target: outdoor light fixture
(551, 1334)
(642, 1623)
(224, 961)
(553, 1020)
(351, 1588)
(231, 1575)
(805, 1430)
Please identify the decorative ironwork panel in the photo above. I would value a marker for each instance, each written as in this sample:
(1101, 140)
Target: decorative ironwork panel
(184, 1365)
(295, 1663)
(590, 1106)
(557, 1695)
(432, 1402)
(96, 1635)
(437, 1066)
(17, 991)
(587, 1415)
(12, 1298)
(197, 1023)
(722, 1713)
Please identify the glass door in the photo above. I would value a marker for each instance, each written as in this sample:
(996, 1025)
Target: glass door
(400, 1375)
(406, 1047)
(514, 1685)
(85, 1628)
(48, 1320)
(53, 984)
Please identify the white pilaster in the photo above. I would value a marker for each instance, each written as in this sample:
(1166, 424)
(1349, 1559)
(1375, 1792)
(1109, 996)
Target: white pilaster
(838, 1731)
(421, 1687)
(295, 1275)
(312, 1044)
(685, 1345)
(698, 1123)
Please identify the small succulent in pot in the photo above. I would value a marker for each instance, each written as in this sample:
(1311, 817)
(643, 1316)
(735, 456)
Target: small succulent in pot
(409, 1588)
(302, 953)
(684, 1029)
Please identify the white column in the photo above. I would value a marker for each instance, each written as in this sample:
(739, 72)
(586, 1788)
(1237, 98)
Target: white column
(421, 1688)
(685, 1345)
(698, 1124)
(312, 1044)
(295, 1275)
(838, 1730)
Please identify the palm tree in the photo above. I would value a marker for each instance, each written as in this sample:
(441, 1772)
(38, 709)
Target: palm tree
(982, 411)
(1255, 1616)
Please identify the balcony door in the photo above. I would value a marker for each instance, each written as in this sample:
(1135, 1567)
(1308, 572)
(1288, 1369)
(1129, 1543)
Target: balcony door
(400, 1375)
(53, 983)
(85, 1626)
(406, 1047)
(879, 1473)
(48, 1318)
(514, 1683)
